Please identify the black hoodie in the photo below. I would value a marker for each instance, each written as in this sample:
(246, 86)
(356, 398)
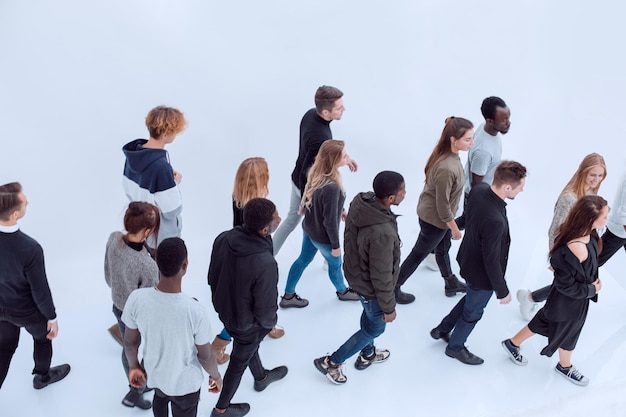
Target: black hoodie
(243, 276)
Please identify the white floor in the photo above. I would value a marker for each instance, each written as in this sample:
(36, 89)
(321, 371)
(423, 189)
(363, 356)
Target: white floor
(77, 80)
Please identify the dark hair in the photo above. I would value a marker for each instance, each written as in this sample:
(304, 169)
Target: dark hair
(141, 215)
(488, 108)
(258, 213)
(387, 183)
(509, 172)
(170, 256)
(454, 126)
(164, 120)
(579, 221)
(9, 199)
(325, 97)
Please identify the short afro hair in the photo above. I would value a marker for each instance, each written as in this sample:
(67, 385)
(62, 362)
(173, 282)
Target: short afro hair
(258, 213)
(488, 108)
(387, 183)
(170, 256)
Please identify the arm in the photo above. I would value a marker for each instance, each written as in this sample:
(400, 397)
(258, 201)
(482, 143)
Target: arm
(136, 374)
(35, 272)
(444, 181)
(330, 195)
(209, 363)
(381, 265)
(562, 208)
(312, 148)
(265, 294)
(476, 179)
(565, 272)
(479, 161)
(492, 232)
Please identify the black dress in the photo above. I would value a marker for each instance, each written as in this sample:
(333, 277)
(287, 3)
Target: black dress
(563, 316)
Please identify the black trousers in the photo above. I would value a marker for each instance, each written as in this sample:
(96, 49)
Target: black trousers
(35, 324)
(182, 405)
(245, 354)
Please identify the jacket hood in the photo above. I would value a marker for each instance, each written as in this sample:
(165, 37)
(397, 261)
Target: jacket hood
(243, 242)
(365, 210)
(138, 158)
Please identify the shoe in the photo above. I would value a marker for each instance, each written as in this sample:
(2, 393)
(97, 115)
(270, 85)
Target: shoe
(277, 332)
(348, 295)
(116, 334)
(233, 410)
(526, 305)
(464, 356)
(453, 286)
(55, 374)
(379, 356)
(274, 375)
(219, 350)
(513, 352)
(294, 301)
(332, 371)
(403, 297)
(325, 265)
(438, 334)
(572, 374)
(134, 398)
(431, 262)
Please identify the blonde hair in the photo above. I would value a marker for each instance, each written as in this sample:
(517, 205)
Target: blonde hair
(325, 170)
(576, 185)
(251, 181)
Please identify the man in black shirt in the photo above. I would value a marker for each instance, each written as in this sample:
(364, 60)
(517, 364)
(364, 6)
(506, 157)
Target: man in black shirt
(25, 299)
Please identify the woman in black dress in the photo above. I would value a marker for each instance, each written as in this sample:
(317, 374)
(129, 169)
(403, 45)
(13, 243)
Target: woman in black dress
(574, 258)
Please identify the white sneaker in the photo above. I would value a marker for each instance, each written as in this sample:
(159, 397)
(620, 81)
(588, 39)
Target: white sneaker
(325, 265)
(526, 305)
(431, 263)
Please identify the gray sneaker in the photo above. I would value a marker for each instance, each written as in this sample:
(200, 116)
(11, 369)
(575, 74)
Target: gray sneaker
(332, 371)
(379, 356)
(294, 301)
(348, 295)
(572, 374)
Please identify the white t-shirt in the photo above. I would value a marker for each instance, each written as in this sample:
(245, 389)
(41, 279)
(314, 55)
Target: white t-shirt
(483, 157)
(171, 325)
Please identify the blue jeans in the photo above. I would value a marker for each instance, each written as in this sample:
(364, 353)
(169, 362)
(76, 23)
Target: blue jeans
(464, 316)
(290, 223)
(372, 326)
(309, 249)
(430, 238)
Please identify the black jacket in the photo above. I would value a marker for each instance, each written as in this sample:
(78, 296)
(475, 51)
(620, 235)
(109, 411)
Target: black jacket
(243, 276)
(484, 251)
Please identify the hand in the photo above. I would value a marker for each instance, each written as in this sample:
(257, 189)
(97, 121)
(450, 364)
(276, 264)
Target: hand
(344, 214)
(506, 299)
(137, 377)
(53, 330)
(215, 385)
(598, 284)
(388, 318)
(300, 211)
(178, 177)
(456, 234)
(336, 252)
(353, 165)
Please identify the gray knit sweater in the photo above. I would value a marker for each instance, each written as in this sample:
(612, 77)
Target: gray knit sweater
(126, 269)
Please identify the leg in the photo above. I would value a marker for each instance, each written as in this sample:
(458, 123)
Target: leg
(541, 294)
(37, 325)
(186, 405)
(429, 237)
(521, 336)
(307, 253)
(334, 265)
(448, 322)
(442, 254)
(610, 246)
(565, 358)
(372, 326)
(290, 223)
(9, 339)
(475, 302)
(160, 404)
(118, 315)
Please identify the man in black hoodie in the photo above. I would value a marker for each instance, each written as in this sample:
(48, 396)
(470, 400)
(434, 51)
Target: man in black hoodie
(243, 276)
(371, 264)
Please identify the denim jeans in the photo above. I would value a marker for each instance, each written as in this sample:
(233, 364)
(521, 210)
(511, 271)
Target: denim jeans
(464, 316)
(289, 224)
(245, 354)
(372, 326)
(35, 324)
(430, 238)
(309, 249)
(182, 405)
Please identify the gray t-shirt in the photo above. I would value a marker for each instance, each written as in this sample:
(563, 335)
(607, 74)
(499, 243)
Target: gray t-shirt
(171, 325)
(483, 157)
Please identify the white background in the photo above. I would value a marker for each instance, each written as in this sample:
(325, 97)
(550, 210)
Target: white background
(77, 79)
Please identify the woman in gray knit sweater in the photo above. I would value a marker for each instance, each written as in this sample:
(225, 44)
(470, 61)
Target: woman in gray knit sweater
(128, 265)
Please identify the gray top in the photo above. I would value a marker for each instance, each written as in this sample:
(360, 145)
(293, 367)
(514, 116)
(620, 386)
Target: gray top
(483, 157)
(562, 207)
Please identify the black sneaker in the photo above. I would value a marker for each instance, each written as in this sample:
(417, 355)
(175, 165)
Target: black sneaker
(379, 356)
(464, 356)
(55, 374)
(438, 334)
(233, 410)
(332, 371)
(572, 374)
(134, 398)
(513, 352)
(403, 297)
(453, 286)
(274, 375)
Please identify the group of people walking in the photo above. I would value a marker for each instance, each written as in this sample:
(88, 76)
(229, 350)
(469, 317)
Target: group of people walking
(145, 265)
